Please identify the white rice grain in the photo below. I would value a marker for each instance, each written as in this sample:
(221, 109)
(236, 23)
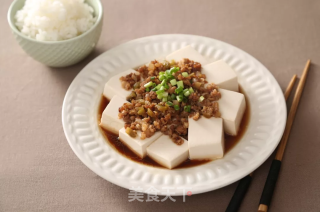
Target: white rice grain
(54, 20)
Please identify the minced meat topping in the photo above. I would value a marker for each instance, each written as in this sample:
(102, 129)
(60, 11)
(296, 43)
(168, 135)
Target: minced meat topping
(165, 96)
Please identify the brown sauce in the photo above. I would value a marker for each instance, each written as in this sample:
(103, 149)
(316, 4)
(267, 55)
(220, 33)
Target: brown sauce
(230, 141)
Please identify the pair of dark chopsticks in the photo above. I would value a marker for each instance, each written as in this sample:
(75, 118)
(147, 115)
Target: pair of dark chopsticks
(269, 186)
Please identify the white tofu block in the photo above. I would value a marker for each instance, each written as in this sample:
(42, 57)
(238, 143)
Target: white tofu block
(221, 74)
(165, 152)
(110, 120)
(137, 145)
(206, 138)
(113, 86)
(187, 52)
(232, 106)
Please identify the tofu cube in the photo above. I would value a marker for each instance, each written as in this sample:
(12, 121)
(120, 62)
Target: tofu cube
(113, 86)
(232, 106)
(206, 138)
(165, 152)
(137, 145)
(110, 120)
(187, 52)
(221, 74)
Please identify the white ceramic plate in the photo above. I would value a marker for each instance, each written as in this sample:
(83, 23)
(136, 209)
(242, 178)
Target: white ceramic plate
(79, 117)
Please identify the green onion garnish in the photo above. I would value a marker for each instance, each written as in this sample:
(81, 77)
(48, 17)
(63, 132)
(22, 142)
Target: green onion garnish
(164, 99)
(159, 92)
(180, 84)
(169, 103)
(173, 97)
(162, 77)
(187, 108)
(179, 98)
(185, 74)
(154, 89)
(176, 107)
(161, 73)
(179, 90)
(187, 93)
(174, 70)
(152, 78)
(191, 90)
(149, 84)
(201, 99)
(164, 94)
(147, 89)
(170, 77)
(173, 82)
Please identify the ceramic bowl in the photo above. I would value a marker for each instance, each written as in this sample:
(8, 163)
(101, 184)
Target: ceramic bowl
(58, 53)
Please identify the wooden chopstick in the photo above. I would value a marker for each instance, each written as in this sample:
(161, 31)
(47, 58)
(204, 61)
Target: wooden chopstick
(244, 183)
(276, 164)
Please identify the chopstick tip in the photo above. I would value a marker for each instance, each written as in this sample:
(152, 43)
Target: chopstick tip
(263, 208)
(308, 62)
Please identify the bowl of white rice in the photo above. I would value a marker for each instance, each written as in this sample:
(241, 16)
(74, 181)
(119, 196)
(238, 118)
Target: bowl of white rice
(57, 33)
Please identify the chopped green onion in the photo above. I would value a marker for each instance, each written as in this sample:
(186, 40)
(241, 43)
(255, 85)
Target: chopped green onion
(166, 86)
(159, 92)
(164, 99)
(180, 84)
(170, 77)
(169, 103)
(173, 97)
(174, 70)
(178, 90)
(162, 77)
(179, 98)
(169, 98)
(149, 84)
(185, 74)
(147, 89)
(187, 108)
(158, 86)
(201, 99)
(191, 90)
(162, 88)
(152, 78)
(161, 73)
(164, 94)
(154, 89)
(173, 82)
(161, 95)
(176, 107)
(187, 93)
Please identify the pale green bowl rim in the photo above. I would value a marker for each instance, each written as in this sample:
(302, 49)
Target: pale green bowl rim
(13, 27)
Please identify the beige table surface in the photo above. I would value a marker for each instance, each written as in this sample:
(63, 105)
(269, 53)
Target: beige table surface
(39, 171)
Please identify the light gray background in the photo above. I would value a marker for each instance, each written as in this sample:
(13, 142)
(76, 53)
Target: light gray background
(39, 171)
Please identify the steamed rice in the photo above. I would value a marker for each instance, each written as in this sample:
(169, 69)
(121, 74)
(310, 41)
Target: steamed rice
(54, 20)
